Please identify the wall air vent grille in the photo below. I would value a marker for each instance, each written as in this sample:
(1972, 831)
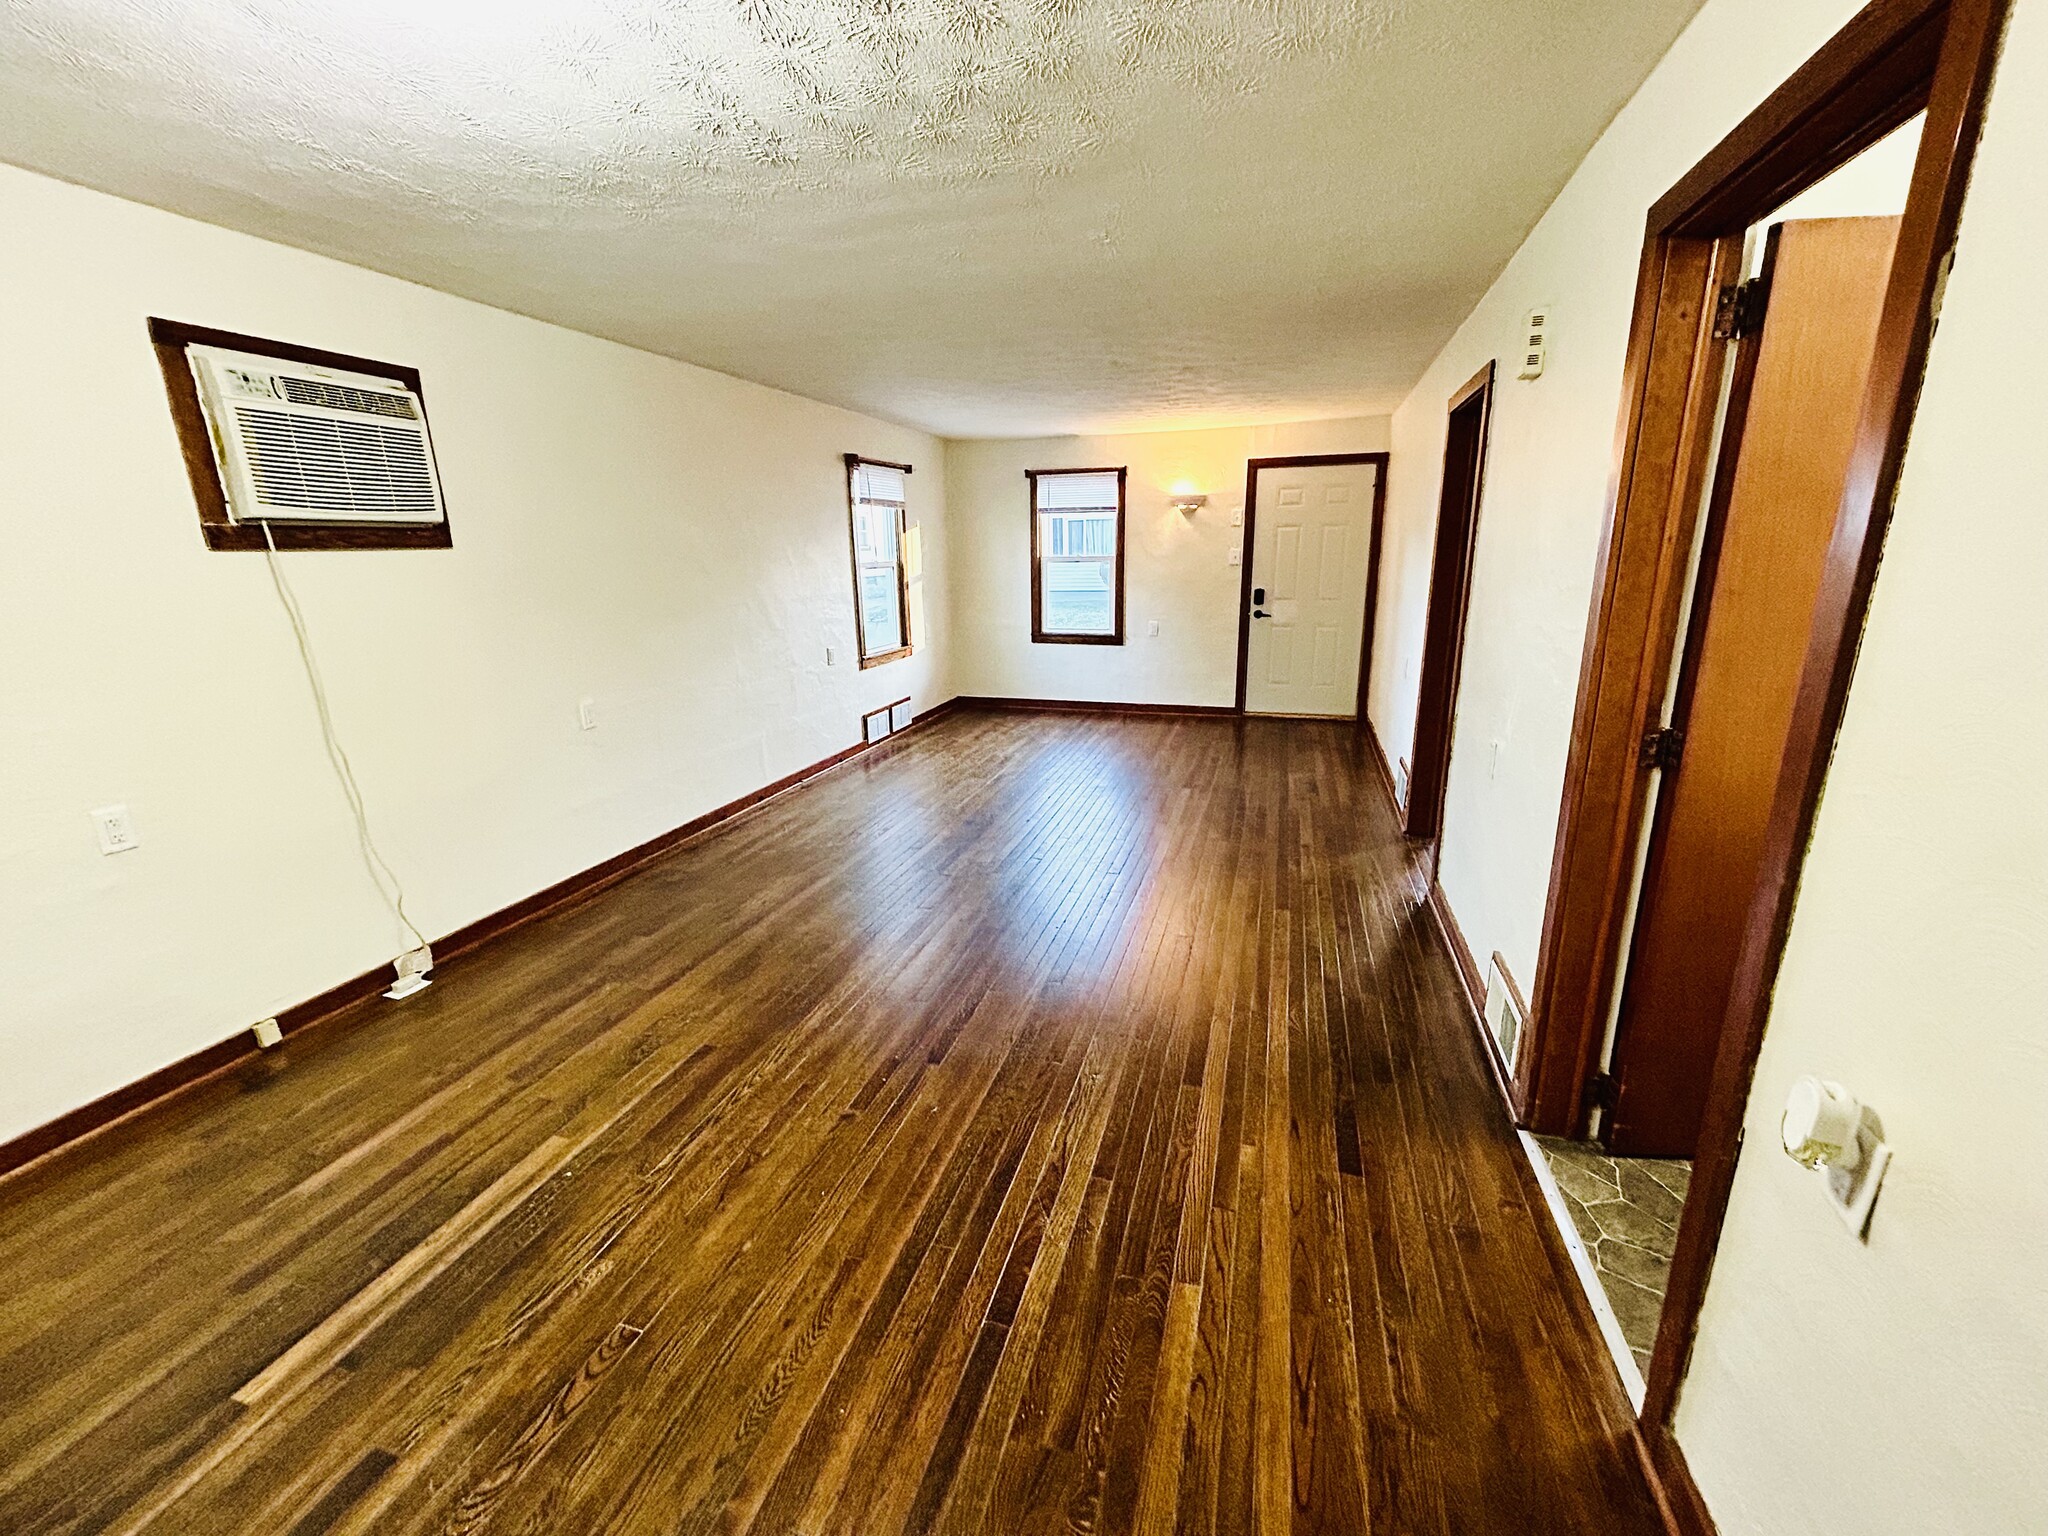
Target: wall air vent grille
(300, 443)
(346, 397)
(332, 468)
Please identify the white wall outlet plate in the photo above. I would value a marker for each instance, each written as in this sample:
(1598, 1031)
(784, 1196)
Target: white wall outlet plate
(412, 968)
(1152, 627)
(831, 656)
(1236, 556)
(116, 829)
(586, 714)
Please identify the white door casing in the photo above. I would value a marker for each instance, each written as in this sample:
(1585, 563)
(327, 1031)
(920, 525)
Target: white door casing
(1311, 558)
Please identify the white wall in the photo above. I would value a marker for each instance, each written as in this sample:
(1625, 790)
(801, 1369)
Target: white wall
(668, 541)
(1175, 571)
(1548, 468)
(1902, 1388)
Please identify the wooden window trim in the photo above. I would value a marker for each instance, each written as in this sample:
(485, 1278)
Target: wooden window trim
(1039, 634)
(860, 632)
(1892, 60)
(170, 338)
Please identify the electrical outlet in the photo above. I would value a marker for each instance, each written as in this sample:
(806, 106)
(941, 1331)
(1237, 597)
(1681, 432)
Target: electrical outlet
(1152, 628)
(1236, 556)
(586, 714)
(116, 829)
(411, 968)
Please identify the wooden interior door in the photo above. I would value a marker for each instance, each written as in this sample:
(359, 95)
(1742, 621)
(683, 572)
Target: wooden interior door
(1793, 410)
(1312, 549)
(1450, 596)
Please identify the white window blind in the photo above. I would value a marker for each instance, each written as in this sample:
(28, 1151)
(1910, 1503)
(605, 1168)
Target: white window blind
(1090, 492)
(882, 483)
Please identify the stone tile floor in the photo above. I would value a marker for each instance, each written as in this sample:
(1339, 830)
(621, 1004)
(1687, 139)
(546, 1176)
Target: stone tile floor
(1626, 1211)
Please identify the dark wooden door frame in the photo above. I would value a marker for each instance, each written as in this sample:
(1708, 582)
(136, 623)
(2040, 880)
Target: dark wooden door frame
(1443, 628)
(1372, 570)
(1893, 59)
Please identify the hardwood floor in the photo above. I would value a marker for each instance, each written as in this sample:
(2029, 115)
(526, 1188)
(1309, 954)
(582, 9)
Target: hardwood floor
(1058, 1123)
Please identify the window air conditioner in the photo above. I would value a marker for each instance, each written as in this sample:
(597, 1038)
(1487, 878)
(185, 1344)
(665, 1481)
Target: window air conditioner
(297, 442)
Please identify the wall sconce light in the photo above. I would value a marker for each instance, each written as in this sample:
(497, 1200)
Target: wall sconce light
(1185, 499)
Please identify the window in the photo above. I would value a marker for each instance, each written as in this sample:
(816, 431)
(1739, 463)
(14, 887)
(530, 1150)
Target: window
(881, 585)
(1077, 556)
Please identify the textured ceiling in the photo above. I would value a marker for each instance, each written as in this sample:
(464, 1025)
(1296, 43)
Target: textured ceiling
(983, 217)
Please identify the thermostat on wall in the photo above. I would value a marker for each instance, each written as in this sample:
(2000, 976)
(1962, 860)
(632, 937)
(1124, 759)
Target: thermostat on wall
(1535, 342)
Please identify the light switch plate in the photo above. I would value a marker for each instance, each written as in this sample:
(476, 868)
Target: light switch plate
(1237, 557)
(1152, 627)
(116, 829)
(586, 714)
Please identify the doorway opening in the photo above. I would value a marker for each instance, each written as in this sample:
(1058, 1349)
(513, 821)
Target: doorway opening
(1772, 370)
(1450, 601)
(1800, 333)
(1310, 589)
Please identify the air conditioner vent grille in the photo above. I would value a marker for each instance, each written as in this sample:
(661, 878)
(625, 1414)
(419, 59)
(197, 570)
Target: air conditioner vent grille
(346, 397)
(325, 466)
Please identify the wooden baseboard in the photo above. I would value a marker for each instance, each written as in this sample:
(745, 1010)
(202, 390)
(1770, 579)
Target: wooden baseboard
(1379, 757)
(1090, 706)
(1461, 952)
(1474, 985)
(132, 1098)
(1678, 1497)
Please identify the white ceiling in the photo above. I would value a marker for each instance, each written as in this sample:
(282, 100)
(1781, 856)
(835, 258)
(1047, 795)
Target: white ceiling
(982, 217)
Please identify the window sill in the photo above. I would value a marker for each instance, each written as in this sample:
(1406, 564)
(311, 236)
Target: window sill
(300, 536)
(1038, 638)
(885, 657)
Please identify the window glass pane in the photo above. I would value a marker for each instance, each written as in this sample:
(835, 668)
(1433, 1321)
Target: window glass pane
(874, 533)
(881, 615)
(1079, 597)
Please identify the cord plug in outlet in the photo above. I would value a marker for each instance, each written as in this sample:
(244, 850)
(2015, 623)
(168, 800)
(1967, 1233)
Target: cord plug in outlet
(412, 968)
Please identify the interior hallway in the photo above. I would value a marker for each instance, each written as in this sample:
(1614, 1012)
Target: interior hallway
(1050, 1122)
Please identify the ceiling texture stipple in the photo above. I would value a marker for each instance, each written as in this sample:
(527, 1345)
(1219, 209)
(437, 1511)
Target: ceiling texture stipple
(981, 217)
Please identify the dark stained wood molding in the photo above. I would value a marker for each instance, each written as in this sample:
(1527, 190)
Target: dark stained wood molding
(1085, 706)
(1480, 381)
(1039, 634)
(170, 338)
(1461, 952)
(1372, 573)
(1386, 769)
(1678, 1497)
(1892, 59)
(1865, 81)
(860, 628)
(73, 1127)
(853, 459)
(1473, 983)
(1443, 642)
(1959, 88)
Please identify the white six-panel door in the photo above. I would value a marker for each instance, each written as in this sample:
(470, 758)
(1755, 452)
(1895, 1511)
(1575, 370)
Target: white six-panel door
(1311, 550)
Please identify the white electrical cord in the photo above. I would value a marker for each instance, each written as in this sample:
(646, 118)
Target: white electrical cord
(380, 871)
